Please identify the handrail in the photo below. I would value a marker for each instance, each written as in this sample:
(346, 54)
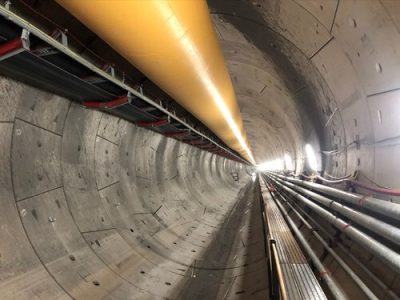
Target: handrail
(274, 262)
(282, 286)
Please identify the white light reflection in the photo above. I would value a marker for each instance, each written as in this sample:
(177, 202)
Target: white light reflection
(201, 68)
(253, 176)
(288, 162)
(271, 165)
(311, 157)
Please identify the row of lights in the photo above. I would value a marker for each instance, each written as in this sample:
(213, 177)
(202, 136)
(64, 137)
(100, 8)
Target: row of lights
(286, 162)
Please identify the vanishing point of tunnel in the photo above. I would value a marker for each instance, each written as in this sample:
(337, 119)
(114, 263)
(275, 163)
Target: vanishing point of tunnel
(193, 149)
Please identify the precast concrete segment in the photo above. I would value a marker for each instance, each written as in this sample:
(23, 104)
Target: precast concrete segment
(238, 243)
(93, 207)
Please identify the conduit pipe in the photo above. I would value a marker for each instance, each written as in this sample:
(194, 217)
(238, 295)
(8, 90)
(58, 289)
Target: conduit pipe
(332, 252)
(324, 273)
(387, 231)
(338, 244)
(174, 44)
(350, 179)
(381, 251)
(383, 207)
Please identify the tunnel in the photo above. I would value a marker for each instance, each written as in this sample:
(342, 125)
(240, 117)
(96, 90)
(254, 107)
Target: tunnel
(120, 179)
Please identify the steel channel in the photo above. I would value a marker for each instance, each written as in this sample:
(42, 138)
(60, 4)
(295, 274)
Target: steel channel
(330, 282)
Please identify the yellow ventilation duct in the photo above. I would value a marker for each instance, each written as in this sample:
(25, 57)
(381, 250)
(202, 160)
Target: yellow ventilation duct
(174, 44)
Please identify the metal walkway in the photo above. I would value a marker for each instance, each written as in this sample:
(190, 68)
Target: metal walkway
(299, 280)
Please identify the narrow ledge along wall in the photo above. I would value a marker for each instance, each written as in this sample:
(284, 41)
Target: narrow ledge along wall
(94, 207)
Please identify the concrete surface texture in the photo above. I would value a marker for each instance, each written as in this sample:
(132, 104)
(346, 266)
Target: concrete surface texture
(93, 207)
(318, 72)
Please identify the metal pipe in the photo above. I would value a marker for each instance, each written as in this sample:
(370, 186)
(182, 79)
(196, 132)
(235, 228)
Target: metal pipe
(359, 264)
(9, 15)
(174, 44)
(381, 251)
(332, 252)
(387, 231)
(383, 207)
(282, 286)
(323, 271)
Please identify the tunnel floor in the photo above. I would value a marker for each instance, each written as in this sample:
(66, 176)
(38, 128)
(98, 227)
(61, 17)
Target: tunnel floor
(241, 238)
(94, 207)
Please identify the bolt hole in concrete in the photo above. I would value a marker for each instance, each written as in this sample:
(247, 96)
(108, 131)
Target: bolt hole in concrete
(96, 283)
(378, 67)
(352, 22)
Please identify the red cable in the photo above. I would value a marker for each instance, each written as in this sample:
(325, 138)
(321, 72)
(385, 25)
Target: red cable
(392, 192)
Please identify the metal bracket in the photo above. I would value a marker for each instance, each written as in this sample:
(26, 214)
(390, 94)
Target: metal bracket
(7, 4)
(109, 104)
(109, 69)
(60, 36)
(15, 46)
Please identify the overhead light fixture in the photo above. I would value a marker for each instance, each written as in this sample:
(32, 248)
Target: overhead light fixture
(311, 157)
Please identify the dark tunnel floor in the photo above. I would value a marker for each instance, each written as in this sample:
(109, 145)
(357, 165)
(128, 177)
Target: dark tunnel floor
(219, 276)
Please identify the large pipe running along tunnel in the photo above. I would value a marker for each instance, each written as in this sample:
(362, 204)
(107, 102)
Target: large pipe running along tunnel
(171, 149)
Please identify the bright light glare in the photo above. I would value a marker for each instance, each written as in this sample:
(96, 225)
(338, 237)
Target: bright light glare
(288, 162)
(253, 176)
(311, 157)
(272, 165)
(204, 75)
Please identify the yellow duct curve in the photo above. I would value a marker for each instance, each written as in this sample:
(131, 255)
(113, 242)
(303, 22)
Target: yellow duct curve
(174, 44)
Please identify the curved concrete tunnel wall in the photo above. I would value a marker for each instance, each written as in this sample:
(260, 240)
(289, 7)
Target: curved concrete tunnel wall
(93, 206)
(319, 72)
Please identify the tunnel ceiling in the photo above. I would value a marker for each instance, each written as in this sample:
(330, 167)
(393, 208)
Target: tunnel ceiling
(276, 83)
(95, 207)
(319, 72)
